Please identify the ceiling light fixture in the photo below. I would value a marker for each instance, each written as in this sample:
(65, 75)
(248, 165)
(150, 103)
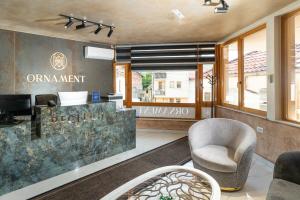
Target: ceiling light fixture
(81, 26)
(98, 29)
(111, 30)
(69, 23)
(87, 23)
(211, 3)
(207, 2)
(223, 8)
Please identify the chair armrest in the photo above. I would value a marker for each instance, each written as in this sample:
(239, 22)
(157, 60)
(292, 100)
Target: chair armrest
(199, 135)
(287, 167)
(247, 143)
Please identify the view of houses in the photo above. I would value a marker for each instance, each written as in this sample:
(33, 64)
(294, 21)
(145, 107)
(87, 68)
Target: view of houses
(164, 87)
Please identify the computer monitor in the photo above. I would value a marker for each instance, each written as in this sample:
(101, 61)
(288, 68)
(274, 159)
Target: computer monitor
(73, 98)
(15, 105)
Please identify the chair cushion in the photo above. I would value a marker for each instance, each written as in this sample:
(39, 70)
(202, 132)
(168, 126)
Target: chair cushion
(216, 158)
(283, 190)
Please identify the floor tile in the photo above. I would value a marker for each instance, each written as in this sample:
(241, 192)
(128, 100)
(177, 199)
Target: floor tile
(257, 184)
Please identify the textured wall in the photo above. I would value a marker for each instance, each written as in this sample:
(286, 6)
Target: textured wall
(22, 53)
(276, 139)
(6, 62)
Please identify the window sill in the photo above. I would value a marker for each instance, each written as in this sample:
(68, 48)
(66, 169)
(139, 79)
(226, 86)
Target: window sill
(293, 124)
(163, 104)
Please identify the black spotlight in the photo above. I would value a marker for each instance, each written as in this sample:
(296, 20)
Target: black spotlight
(69, 23)
(111, 30)
(207, 2)
(98, 29)
(222, 9)
(81, 26)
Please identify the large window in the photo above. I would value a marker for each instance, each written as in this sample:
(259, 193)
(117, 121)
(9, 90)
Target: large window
(244, 72)
(230, 75)
(163, 86)
(291, 64)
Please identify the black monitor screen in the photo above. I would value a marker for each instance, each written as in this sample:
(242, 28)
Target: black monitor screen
(16, 105)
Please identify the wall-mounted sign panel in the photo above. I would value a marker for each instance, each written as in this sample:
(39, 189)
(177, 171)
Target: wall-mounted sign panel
(34, 64)
(165, 112)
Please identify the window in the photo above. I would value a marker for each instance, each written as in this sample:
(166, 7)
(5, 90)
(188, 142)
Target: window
(291, 62)
(244, 72)
(150, 86)
(172, 84)
(230, 75)
(255, 71)
(208, 70)
(161, 85)
(178, 84)
(120, 80)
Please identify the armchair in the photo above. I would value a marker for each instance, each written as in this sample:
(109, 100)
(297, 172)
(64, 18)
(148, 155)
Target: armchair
(286, 182)
(224, 149)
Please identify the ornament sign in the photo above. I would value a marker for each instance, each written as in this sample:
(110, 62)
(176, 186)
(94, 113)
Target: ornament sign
(58, 62)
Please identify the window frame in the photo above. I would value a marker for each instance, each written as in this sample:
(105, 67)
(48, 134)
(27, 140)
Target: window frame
(128, 95)
(240, 43)
(199, 103)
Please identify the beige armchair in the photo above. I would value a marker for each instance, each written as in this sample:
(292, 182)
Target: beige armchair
(223, 148)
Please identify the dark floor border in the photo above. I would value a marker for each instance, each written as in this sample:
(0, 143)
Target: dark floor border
(158, 157)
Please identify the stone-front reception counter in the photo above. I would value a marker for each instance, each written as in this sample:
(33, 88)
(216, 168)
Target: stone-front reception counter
(67, 138)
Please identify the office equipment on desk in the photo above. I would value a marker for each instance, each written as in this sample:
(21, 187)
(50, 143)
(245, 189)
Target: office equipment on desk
(43, 99)
(117, 98)
(14, 105)
(95, 96)
(73, 98)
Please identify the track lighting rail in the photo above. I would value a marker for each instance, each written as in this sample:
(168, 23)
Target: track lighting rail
(99, 25)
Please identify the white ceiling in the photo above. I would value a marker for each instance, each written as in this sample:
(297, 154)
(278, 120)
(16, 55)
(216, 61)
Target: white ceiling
(137, 21)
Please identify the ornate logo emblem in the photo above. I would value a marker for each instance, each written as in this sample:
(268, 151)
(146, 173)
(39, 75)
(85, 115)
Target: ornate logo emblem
(58, 61)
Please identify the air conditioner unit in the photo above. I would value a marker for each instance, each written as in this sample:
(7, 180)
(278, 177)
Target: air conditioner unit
(99, 53)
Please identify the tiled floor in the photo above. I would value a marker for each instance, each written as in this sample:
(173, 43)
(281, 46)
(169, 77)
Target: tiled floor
(146, 140)
(257, 185)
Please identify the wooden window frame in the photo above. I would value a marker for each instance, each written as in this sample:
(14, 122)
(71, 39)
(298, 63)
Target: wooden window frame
(284, 64)
(128, 95)
(240, 42)
(199, 103)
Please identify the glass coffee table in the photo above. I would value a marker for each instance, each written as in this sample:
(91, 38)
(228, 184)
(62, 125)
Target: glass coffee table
(169, 183)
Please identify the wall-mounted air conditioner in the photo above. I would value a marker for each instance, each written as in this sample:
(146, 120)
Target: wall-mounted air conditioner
(99, 53)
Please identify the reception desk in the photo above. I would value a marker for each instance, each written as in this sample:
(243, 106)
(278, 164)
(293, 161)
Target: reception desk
(62, 139)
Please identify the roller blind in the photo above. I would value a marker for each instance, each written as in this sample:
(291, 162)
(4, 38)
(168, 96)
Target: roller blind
(166, 56)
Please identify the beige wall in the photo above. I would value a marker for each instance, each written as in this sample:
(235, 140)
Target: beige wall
(276, 138)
